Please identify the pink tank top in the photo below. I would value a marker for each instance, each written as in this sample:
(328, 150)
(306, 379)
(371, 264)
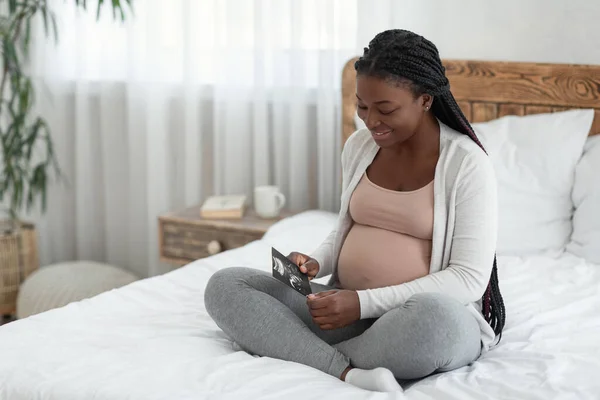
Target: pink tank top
(389, 242)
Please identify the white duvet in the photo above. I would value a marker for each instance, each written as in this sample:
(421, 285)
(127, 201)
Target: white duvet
(154, 340)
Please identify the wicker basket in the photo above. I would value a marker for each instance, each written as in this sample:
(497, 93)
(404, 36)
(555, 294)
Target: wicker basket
(18, 259)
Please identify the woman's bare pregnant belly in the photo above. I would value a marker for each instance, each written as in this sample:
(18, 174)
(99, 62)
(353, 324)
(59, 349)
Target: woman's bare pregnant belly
(373, 257)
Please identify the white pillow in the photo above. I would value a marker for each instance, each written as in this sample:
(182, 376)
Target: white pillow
(585, 240)
(303, 232)
(534, 158)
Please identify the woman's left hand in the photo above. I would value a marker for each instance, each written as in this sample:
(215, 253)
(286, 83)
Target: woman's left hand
(334, 308)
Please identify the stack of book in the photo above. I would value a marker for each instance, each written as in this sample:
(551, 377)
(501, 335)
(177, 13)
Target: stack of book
(224, 207)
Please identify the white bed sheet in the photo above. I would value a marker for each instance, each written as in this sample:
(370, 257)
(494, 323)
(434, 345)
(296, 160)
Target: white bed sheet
(154, 340)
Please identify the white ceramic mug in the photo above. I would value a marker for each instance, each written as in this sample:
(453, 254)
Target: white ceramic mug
(268, 201)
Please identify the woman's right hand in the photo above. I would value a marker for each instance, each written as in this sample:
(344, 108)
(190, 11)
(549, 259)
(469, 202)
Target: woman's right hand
(308, 265)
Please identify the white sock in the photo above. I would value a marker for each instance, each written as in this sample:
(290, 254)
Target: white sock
(378, 379)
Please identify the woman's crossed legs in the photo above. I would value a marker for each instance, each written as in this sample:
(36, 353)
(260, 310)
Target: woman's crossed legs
(430, 333)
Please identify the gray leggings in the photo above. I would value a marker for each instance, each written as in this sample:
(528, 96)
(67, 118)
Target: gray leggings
(430, 333)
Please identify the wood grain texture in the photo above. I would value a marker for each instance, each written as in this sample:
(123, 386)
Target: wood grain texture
(491, 89)
(484, 111)
(510, 109)
(184, 236)
(596, 124)
(529, 110)
(190, 241)
(465, 107)
(525, 83)
(250, 222)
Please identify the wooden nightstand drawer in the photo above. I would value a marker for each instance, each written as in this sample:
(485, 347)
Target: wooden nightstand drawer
(190, 242)
(184, 236)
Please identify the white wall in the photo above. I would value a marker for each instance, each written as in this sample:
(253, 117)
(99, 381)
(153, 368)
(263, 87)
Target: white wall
(557, 31)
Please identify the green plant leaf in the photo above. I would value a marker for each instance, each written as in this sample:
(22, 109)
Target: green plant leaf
(54, 27)
(11, 59)
(33, 137)
(38, 185)
(100, 2)
(15, 133)
(44, 190)
(27, 37)
(25, 96)
(22, 183)
(17, 193)
(117, 7)
(50, 155)
(12, 6)
(44, 11)
(5, 25)
(30, 194)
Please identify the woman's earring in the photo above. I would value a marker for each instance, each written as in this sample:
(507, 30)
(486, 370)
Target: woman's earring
(427, 108)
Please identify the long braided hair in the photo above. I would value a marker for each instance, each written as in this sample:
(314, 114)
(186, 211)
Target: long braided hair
(405, 58)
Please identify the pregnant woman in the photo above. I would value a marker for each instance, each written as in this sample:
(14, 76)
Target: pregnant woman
(413, 288)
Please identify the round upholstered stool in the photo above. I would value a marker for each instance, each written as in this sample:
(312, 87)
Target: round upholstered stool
(57, 285)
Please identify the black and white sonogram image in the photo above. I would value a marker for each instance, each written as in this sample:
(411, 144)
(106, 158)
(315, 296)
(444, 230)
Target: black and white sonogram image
(289, 273)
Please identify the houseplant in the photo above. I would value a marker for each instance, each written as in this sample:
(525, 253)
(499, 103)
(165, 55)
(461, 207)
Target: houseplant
(27, 155)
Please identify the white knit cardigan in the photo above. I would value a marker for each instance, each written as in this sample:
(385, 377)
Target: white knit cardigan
(464, 228)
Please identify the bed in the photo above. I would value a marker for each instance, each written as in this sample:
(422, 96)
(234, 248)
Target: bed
(153, 338)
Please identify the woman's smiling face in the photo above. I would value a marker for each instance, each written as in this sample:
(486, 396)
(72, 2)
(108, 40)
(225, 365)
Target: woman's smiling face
(390, 111)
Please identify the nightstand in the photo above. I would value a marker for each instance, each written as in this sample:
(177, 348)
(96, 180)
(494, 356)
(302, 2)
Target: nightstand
(184, 236)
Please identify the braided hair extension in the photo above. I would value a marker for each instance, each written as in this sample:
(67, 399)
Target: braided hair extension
(405, 58)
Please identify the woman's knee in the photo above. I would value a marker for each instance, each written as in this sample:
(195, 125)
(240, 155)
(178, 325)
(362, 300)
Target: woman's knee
(448, 330)
(220, 285)
(440, 309)
(428, 333)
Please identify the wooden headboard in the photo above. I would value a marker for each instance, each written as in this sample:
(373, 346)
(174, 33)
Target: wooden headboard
(488, 89)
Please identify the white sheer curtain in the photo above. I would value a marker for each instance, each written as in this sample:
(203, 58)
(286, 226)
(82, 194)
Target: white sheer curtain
(190, 98)
(187, 99)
